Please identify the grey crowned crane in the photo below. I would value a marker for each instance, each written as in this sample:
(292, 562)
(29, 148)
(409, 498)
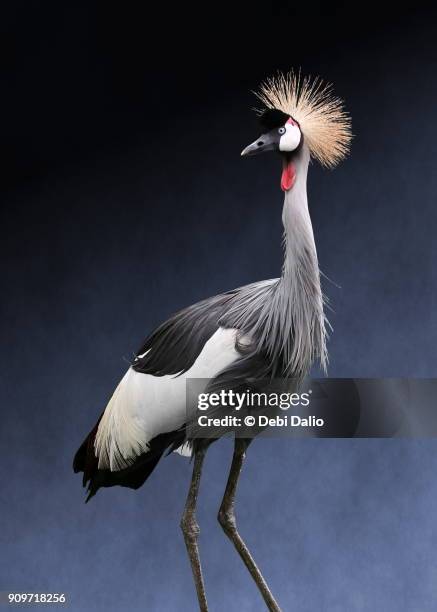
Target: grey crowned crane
(269, 329)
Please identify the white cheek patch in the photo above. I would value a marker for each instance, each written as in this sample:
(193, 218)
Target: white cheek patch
(291, 139)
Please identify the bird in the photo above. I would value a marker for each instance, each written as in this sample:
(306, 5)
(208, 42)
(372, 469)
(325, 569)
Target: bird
(240, 339)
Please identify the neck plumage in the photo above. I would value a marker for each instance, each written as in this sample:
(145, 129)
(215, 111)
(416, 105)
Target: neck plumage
(299, 293)
(300, 249)
(284, 317)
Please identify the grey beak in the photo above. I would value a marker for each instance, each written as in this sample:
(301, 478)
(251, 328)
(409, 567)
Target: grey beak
(266, 142)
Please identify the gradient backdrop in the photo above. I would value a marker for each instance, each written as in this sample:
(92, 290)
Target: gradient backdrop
(124, 200)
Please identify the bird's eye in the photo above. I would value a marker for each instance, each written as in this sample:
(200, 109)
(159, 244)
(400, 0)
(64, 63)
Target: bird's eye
(281, 130)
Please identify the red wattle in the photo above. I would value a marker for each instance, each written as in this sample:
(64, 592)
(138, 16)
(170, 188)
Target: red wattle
(288, 176)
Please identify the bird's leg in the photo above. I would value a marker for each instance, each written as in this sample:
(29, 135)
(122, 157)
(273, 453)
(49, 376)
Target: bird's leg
(191, 529)
(227, 520)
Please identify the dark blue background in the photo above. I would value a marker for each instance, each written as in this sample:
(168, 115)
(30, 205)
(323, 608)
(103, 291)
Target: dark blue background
(124, 200)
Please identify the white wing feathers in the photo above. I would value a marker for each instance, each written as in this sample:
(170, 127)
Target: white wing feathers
(144, 406)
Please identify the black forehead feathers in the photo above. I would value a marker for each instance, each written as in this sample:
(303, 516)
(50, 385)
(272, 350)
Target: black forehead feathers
(273, 118)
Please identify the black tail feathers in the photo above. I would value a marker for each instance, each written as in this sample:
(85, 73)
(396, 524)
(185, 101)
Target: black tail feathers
(132, 476)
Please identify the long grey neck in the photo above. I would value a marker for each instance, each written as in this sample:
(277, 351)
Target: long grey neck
(300, 248)
(299, 293)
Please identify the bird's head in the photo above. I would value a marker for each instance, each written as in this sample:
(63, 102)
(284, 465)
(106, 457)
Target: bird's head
(280, 133)
(301, 112)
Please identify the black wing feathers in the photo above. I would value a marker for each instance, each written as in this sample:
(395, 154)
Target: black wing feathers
(175, 345)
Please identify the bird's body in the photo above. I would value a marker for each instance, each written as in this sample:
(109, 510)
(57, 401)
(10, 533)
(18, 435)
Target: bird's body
(273, 328)
(235, 340)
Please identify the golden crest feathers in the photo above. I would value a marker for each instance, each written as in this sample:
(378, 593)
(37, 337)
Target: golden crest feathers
(325, 124)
